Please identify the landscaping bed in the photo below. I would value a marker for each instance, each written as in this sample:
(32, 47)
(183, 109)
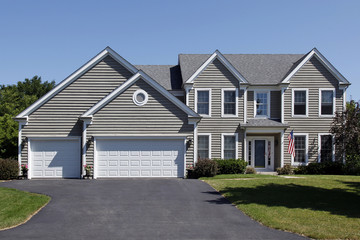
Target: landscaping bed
(317, 206)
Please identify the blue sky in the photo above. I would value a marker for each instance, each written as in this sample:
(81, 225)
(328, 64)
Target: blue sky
(52, 39)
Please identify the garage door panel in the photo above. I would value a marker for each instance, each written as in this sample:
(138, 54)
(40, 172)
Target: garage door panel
(140, 158)
(55, 158)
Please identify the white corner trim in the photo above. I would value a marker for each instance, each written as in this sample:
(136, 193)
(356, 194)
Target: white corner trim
(196, 100)
(245, 103)
(236, 144)
(224, 61)
(306, 102)
(146, 97)
(323, 60)
(236, 102)
(268, 92)
(282, 104)
(282, 149)
(205, 134)
(139, 75)
(293, 163)
(195, 143)
(332, 146)
(334, 102)
(107, 51)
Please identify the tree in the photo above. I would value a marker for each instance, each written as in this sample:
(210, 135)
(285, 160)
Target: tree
(346, 130)
(13, 100)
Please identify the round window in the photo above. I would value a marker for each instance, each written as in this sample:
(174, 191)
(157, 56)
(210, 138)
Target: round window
(140, 97)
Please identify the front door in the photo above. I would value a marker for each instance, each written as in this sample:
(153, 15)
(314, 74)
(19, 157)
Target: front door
(260, 153)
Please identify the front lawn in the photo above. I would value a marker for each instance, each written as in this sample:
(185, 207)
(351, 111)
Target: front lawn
(322, 207)
(17, 207)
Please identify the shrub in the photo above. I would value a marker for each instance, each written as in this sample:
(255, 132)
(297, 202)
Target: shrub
(231, 166)
(9, 169)
(286, 170)
(205, 168)
(250, 170)
(352, 165)
(301, 170)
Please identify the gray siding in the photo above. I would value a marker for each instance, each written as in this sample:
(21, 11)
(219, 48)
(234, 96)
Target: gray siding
(59, 116)
(275, 104)
(250, 104)
(216, 76)
(122, 117)
(313, 75)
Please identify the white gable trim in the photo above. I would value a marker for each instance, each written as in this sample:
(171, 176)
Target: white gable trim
(131, 81)
(224, 61)
(106, 52)
(324, 61)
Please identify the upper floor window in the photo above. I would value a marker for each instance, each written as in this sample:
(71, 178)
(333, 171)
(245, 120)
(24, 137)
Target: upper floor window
(326, 148)
(300, 142)
(326, 102)
(204, 146)
(229, 103)
(229, 149)
(300, 102)
(262, 104)
(203, 102)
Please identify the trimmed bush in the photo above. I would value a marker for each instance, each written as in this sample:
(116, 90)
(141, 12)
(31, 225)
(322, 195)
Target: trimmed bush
(323, 168)
(286, 170)
(231, 166)
(9, 169)
(204, 168)
(250, 170)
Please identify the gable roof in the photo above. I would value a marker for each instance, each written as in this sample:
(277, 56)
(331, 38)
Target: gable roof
(95, 60)
(139, 75)
(255, 68)
(315, 53)
(216, 55)
(168, 76)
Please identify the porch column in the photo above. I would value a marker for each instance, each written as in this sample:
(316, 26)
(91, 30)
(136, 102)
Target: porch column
(282, 149)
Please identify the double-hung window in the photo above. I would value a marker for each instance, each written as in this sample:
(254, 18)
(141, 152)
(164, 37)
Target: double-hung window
(229, 103)
(203, 102)
(300, 102)
(326, 148)
(204, 146)
(300, 141)
(229, 146)
(326, 100)
(262, 104)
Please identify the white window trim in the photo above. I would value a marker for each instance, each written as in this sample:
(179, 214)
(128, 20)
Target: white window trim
(306, 102)
(269, 103)
(236, 102)
(195, 100)
(145, 99)
(204, 134)
(319, 146)
(293, 163)
(236, 144)
(334, 102)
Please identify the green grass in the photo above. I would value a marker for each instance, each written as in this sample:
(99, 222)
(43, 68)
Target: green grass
(17, 206)
(322, 207)
(232, 176)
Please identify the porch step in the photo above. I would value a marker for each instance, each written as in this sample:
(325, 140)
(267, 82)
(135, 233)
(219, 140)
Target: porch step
(267, 173)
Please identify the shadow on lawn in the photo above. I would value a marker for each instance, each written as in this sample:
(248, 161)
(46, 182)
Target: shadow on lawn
(335, 201)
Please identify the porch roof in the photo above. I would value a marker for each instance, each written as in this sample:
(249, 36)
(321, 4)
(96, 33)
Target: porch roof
(263, 123)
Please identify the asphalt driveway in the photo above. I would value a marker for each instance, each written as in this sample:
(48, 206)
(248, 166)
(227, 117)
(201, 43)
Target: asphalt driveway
(135, 209)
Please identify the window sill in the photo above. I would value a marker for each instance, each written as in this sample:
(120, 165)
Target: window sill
(327, 116)
(299, 116)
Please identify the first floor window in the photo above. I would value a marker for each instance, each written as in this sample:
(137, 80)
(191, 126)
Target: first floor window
(300, 149)
(229, 147)
(203, 99)
(326, 148)
(203, 147)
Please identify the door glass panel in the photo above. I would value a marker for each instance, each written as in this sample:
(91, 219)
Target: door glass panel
(260, 153)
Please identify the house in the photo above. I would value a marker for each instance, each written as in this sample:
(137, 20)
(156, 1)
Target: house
(155, 120)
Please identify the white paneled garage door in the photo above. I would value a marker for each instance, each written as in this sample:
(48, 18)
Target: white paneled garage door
(55, 158)
(139, 158)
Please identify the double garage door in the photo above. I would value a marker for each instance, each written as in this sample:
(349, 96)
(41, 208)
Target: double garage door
(61, 158)
(139, 158)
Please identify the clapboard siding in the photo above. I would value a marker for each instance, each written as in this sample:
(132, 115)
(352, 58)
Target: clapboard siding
(217, 77)
(59, 116)
(313, 76)
(250, 104)
(122, 117)
(275, 104)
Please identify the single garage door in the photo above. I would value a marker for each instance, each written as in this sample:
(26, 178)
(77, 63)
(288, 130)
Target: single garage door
(140, 158)
(55, 158)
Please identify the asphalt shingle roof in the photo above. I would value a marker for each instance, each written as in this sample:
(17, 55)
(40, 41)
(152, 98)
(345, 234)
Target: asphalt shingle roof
(168, 76)
(263, 123)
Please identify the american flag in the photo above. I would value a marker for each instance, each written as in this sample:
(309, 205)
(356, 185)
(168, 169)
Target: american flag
(291, 147)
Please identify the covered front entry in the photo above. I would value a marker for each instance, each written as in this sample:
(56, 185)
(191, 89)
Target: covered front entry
(143, 157)
(260, 152)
